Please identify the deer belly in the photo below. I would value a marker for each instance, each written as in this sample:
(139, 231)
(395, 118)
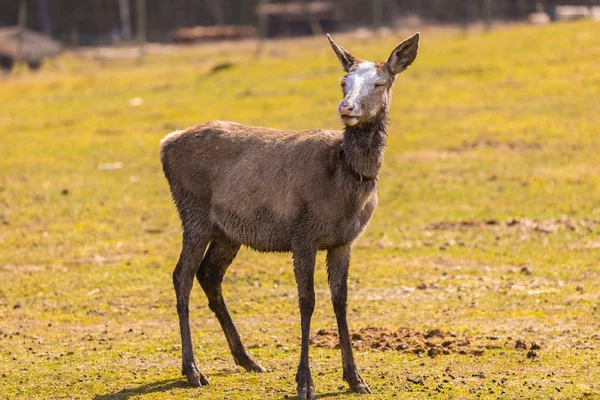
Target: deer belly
(259, 228)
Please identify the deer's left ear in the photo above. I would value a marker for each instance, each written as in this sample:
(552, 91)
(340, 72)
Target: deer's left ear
(346, 59)
(404, 54)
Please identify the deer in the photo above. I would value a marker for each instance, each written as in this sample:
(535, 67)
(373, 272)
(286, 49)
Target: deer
(282, 191)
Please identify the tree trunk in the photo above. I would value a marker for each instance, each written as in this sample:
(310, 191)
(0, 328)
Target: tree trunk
(377, 14)
(466, 14)
(216, 10)
(125, 17)
(263, 22)
(487, 14)
(141, 28)
(315, 24)
(22, 27)
(44, 17)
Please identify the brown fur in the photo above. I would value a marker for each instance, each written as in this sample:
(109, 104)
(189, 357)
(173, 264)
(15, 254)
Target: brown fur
(273, 190)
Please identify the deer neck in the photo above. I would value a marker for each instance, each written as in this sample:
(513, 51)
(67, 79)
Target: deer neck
(364, 145)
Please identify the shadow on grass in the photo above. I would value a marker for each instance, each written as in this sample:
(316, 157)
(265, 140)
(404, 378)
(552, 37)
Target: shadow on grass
(322, 395)
(169, 384)
(160, 386)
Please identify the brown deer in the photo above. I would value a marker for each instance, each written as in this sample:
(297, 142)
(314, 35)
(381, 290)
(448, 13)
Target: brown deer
(281, 191)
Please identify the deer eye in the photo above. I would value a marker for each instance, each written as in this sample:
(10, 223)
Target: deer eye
(343, 84)
(379, 83)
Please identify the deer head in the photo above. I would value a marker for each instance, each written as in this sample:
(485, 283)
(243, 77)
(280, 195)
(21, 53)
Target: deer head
(367, 85)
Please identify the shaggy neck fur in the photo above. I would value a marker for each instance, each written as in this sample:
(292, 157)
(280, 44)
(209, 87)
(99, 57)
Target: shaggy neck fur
(364, 144)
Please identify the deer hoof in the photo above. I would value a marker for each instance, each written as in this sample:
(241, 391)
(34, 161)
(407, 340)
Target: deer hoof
(249, 364)
(255, 367)
(197, 380)
(195, 377)
(306, 392)
(358, 385)
(306, 387)
(361, 388)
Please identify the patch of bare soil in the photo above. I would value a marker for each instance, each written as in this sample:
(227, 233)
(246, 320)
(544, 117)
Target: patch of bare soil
(522, 224)
(518, 145)
(432, 342)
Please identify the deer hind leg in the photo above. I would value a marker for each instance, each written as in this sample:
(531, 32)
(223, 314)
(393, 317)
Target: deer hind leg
(219, 256)
(192, 250)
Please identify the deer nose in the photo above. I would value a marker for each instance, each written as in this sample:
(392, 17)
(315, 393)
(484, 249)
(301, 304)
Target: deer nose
(346, 109)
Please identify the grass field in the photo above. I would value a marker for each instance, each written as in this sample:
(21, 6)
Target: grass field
(488, 227)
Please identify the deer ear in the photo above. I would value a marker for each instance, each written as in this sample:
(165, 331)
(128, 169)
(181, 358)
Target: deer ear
(346, 59)
(404, 54)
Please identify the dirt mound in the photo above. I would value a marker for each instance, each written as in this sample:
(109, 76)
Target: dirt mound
(522, 224)
(433, 342)
(518, 145)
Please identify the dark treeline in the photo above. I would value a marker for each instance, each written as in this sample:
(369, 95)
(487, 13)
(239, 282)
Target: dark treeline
(98, 21)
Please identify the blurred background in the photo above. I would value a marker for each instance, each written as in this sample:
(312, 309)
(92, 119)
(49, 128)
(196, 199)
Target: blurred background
(108, 22)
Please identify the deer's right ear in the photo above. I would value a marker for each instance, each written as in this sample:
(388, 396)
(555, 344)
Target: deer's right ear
(346, 59)
(404, 54)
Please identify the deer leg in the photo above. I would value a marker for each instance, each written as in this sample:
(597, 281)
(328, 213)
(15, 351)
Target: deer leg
(219, 256)
(304, 271)
(338, 262)
(183, 280)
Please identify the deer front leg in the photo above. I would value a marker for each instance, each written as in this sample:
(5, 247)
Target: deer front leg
(338, 262)
(304, 271)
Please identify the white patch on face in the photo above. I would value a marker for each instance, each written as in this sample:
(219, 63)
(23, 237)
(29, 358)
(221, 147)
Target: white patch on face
(360, 82)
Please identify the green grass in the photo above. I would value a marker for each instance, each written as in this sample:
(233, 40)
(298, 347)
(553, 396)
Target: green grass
(484, 127)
